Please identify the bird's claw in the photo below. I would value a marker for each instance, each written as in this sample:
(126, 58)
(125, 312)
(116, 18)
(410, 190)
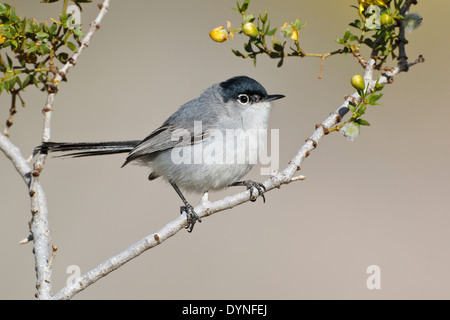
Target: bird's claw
(191, 216)
(252, 185)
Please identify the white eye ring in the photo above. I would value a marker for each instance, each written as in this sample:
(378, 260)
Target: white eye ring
(243, 99)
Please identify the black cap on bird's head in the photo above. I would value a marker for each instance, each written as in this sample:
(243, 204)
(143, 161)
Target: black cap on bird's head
(245, 89)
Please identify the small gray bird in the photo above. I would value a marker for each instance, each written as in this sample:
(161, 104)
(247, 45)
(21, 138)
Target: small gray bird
(192, 149)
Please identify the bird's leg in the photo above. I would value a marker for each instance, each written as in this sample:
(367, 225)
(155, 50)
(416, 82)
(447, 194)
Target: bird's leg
(252, 185)
(191, 215)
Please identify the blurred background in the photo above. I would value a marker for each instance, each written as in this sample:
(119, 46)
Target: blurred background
(380, 200)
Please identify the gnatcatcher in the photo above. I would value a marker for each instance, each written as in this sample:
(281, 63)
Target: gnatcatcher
(177, 150)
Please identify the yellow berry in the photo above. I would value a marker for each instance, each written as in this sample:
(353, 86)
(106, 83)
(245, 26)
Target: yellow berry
(386, 19)
(358, 82)
(219, 34)
(250, 29)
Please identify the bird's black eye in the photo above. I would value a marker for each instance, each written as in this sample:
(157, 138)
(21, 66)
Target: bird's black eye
(243, 98)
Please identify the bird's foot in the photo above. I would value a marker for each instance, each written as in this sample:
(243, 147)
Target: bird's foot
(252, 186)
(191, 216)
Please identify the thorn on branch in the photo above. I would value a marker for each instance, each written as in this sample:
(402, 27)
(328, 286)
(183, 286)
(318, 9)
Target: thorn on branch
(420, 59)
(26, 240)
(101, 6)
(321, 66)
(52, 258)
(298, 178)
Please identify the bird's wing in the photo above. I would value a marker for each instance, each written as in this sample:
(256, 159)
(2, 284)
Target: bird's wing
(165, 137)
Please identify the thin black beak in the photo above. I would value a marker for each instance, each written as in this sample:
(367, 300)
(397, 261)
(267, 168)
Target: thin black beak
(273, 97)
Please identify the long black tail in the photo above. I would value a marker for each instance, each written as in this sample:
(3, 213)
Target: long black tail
(86, 149)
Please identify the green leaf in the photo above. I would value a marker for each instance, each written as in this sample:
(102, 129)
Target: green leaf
(12, 82)
(244, 6)
(12, 15)
(263, 18)
(362, 110)
(6, 85)
(276, 45)
(248, 47)
(71, 46)
(274, 55)
(351, 107)
(6, 44)
(7, 34)
(356, 24)
(19, 82)
(374, 98)
(2, 9)
(271, 32)
(27, 80)
(63, 57)
(33, 49)
(64, 20)
(53, 28)
(298, 24)
(369, 43)
(77, 32)
(362, 122)
(347, 35)
(44, 49)
(12, 30)
(237, 53)
(238, 7)
(249, 18)
(10, 63)
(42, 34)
(280, 63)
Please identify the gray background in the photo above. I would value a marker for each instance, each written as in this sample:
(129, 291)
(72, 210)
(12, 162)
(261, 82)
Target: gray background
(382, 199)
